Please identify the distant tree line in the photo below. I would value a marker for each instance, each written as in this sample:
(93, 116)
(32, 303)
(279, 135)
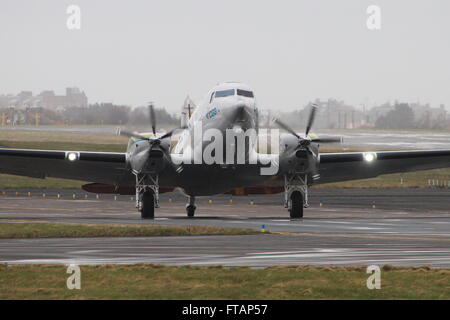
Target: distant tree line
(107, 113)
(333, 114)
(99, 113)
(403, 117)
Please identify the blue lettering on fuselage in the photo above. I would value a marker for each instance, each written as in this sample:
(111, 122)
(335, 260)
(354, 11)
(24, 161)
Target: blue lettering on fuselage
(211, 114)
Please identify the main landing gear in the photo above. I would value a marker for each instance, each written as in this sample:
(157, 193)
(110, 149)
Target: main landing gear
(296, 194)
(147, 195)
(190, 207)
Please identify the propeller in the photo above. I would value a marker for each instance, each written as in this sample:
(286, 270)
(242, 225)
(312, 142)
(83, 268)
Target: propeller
(304, 144)
(130, 134)
(152, 141)
(136, 135)
(284, 126)
(328, 140)
(306, 141)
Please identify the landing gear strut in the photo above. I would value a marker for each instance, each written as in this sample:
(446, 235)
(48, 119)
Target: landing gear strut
(190, 207)
(147, 195)
(296, 194)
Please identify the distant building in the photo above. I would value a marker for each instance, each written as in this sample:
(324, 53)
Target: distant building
(46, 99)
(23, 100)
(73, 98)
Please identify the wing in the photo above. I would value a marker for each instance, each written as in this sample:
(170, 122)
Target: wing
(102, 167)
(336, 167)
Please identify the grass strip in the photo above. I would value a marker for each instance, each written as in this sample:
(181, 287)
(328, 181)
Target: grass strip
(144, 281)
(63, 230)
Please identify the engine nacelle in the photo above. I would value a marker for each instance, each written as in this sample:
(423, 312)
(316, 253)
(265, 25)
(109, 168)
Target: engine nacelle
(145, 158)
(298, 158)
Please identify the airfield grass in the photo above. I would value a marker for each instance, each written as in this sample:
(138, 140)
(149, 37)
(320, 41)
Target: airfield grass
(11, 182)
(19, 136)
(66, 146)
(146, 281)
(65, 230)
(29, 139)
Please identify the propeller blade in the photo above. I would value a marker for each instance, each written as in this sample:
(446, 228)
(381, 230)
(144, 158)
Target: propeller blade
(178, 168)
(131, 134)
(312, 116)
(328, 140)
(151, 112)
(171, 132)
(168, 134)
(284, 126)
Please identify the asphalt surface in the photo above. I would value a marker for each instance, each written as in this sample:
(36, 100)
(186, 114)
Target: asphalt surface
(406, 227)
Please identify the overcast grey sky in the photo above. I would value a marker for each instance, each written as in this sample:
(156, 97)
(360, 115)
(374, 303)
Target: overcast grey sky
(290, 52)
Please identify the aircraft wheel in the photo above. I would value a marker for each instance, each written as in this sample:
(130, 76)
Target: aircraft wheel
(148, 205)
(296, 205)
(190, 210)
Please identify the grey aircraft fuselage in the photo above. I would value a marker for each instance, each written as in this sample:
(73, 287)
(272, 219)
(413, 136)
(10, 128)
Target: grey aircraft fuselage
(235, 112)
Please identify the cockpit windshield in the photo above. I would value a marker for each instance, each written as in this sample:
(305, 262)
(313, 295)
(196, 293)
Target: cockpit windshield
(224, 93)
(245, 93)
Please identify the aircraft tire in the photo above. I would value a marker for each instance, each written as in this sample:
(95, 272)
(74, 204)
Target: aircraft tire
(296, 211)
(148, 205)
(190, 210)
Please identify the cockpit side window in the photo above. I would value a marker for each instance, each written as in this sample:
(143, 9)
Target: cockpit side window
(245, 93)
(224, 93)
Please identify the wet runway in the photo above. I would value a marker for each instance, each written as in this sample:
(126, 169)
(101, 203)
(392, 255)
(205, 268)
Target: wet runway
(414, 229)
(254, 251)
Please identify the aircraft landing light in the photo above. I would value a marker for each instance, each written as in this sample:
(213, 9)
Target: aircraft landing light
(72, 156)
(370, 156)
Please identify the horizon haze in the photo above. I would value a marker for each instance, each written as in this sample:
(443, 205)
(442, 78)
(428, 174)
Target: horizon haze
(289, 52)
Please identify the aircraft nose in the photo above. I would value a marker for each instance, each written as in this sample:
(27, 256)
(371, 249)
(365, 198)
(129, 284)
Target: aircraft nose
(237, 110)
(240, 112)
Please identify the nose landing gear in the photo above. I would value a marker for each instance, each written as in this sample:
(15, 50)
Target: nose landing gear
(190, 207)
